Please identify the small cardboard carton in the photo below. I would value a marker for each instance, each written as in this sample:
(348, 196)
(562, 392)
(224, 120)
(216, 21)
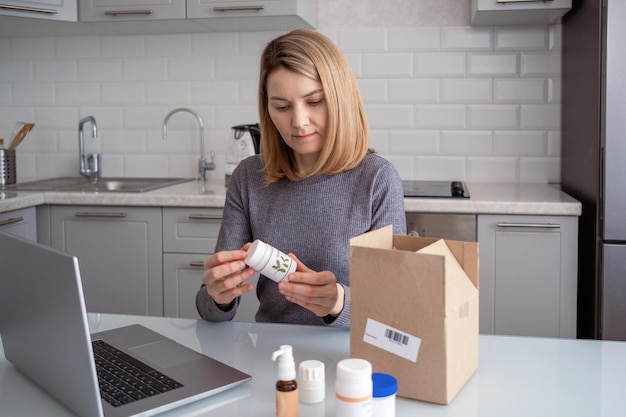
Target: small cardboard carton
(414, 311)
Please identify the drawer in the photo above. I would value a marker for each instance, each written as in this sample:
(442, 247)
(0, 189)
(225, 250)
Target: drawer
(20, 222)
(228, 9)
(442, 225)
(131, 10)
(191, 230)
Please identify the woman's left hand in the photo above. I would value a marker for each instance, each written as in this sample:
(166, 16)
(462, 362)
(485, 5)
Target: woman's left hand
(315, 291)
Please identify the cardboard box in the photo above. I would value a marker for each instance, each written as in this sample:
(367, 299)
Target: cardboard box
(414, 311)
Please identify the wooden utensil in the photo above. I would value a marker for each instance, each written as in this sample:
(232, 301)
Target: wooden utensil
(19, 137)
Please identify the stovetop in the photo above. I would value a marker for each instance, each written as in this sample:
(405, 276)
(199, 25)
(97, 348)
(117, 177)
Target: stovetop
(435, 189)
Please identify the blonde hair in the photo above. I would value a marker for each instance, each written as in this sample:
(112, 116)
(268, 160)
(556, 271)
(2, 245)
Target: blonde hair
(314, 55)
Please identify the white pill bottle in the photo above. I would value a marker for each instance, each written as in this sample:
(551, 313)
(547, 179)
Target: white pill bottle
(353, 388)
(269, 261)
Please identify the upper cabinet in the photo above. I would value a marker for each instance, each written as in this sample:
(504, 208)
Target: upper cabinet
(224, 16)
(518, 12)
(65, 10)
(123, 10)
(202, 15)
(144, 17)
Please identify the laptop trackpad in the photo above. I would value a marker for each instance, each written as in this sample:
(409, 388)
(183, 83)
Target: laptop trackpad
(165, 353)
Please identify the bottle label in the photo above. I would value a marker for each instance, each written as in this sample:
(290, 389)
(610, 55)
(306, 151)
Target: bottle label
(287, 403)
(353, 407)
(278, 266)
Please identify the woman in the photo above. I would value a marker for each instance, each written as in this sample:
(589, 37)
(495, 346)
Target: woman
(315, 186)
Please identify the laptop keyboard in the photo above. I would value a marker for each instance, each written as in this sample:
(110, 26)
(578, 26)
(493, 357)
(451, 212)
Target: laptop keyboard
(123, 379)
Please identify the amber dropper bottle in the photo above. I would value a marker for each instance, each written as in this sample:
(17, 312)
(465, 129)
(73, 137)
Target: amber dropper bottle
(286, 386)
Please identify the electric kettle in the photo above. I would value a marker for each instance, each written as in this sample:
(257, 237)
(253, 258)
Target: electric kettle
(244, 142)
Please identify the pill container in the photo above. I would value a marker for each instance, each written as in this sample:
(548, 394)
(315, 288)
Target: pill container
(269, 261)
(385, 388)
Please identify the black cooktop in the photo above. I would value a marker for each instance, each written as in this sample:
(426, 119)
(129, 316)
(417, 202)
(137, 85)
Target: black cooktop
(435, 189)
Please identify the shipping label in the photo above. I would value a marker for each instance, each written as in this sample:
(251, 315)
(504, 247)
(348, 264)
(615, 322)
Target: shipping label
(392, 340)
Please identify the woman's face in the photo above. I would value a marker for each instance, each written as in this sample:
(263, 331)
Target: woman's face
(297, 106)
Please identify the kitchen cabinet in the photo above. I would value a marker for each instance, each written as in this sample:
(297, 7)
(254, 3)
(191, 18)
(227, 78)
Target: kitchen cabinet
(189, 237)
(221, 15)
(182, 277)
(123, 10)
(66, 10)
(119, 251)
(518, 12)
(528, 279)
(22, 222)
(214, 15)
(144, 17)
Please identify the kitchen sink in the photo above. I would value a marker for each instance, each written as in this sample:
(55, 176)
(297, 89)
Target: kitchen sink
(112, 184)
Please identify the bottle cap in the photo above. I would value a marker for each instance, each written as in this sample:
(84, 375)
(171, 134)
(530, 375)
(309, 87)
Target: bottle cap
(256, 253)
(286, 365)
(384, 385)
(311, 381)
(354, 370)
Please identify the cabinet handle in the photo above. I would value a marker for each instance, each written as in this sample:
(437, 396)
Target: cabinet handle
(205, 217)
(11, 221)
(127, 12)
(196, 264)
(100, 215)
(238, 8)
(28, 9)
(531, 225)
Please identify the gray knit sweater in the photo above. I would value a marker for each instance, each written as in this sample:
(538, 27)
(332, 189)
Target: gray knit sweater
(313, 218)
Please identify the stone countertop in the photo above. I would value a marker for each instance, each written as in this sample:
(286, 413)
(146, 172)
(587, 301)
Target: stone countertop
(502, 198)
(12, 200)
(485, 198)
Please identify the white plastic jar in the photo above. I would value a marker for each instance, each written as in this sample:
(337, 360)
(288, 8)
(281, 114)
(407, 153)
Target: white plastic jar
(269, 261)
(311, 380)
(385, 389)
(353, 388)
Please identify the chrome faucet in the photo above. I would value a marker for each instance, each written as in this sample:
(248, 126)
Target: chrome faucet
(89, 164)
(203, 165)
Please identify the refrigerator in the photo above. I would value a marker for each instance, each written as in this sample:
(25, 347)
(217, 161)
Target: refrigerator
(593, 159)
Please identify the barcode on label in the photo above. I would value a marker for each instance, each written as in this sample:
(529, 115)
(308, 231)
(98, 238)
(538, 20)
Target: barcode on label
(396, 341)
(396, 337)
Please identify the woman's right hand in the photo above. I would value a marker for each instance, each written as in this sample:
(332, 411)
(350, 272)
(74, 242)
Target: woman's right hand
(224, 275)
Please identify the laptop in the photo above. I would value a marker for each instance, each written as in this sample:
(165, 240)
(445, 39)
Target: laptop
(45, 334)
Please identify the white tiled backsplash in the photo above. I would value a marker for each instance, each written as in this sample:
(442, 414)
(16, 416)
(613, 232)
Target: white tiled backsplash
(470, 103)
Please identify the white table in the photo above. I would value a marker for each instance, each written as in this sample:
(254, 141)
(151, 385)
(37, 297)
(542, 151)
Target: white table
(516, 377)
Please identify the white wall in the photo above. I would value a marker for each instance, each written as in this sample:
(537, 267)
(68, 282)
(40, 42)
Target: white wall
(445, 100)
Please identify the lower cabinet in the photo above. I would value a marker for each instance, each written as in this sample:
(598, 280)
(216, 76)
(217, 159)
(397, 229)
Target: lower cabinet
(189, 237)
(119, 251)
(21, 222)
(135, 260)
(528, 275)
(150, 261)
(182, 277)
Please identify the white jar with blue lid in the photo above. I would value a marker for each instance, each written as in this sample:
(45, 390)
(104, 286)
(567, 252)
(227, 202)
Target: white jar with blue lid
(385, 388)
